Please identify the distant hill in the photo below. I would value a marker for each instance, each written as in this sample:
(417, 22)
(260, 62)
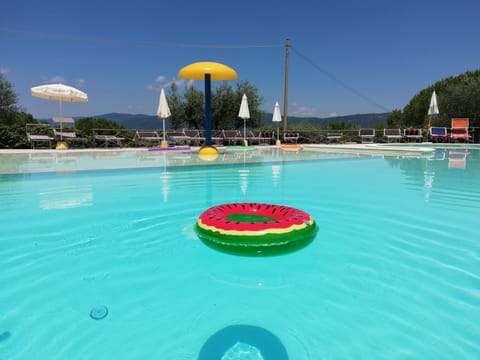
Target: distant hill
(148, 122)
(362, 120)
(134, 121)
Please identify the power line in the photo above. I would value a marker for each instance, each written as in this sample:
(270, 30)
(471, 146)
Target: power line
(133, 41)
(338, 81)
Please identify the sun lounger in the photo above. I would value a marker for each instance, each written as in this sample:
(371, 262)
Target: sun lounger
(366, 135)
(178, 137)
(291, 137)
(438, 134)
(217, 137)
(195, 137)
(67, 133)
(39, 134)
(268, 137)
(107, 137)
(254, 139)
(231, 137)
(334, 137)
(142, 137)
(459, 129)
(412, 134)
(392, 135)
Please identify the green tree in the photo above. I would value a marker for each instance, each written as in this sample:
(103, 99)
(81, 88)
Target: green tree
(13, 129)
(189, 110)
(223, 108)
(457, 96)
(85, 126)
(12, 120)
(176, 105)
(395, 119)
(194, 108)
(8, 97)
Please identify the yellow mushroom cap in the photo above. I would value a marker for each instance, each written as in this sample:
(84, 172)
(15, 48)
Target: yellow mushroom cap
(217, 71)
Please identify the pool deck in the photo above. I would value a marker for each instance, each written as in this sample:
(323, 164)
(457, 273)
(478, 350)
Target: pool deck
(20, 161)
(373, 149)
(392, 149)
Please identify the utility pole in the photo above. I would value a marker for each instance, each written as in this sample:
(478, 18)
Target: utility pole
(285, 91)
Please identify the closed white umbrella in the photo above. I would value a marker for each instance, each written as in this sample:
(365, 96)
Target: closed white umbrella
(163, 112)
(432, 109)
(277, 117)
(244, 114)
(60, 93)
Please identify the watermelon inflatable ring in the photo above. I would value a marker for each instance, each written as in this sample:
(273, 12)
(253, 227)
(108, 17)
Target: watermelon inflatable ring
(253, 229)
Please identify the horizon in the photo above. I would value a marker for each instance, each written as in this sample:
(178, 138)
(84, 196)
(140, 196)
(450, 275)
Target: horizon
(345, 58)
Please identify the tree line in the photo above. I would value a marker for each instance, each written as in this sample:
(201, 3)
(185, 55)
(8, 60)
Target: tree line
(457, 97)
(188, 107)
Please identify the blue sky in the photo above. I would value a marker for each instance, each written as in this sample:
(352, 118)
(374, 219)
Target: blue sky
(347, 56)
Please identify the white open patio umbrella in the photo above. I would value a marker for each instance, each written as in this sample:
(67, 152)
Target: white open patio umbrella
(277, 117)
(59, 92)
(244, 114)
(163, 112)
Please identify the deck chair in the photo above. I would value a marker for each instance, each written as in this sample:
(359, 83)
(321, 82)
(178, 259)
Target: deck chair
(195, 137)
(217, 137)
(178, 137)
(267, 137)
(291, 137)
(412, 134)
(459, 129)
(67, 133)
(142, 137)
(254, 138)
(366, 135)
(334, 137)
(39, 133)
(392, 135)
(438, 134)
(231, 137)
(107, 137)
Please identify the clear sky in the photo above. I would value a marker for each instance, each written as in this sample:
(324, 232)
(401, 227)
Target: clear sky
(346, 57)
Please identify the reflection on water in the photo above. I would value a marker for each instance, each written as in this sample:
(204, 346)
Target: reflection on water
(165, 181)
(439, 170)
(65, 197)
(243, 174)
(54, 161)
(275, 175)
(457, 159)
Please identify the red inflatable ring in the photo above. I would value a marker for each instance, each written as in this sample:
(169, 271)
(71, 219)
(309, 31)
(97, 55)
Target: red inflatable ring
(255, 229)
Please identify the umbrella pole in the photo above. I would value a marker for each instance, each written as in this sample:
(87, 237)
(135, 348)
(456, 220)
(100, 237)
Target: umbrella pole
(164, 129)
(428, 125)
(245, 143)
(164, 143)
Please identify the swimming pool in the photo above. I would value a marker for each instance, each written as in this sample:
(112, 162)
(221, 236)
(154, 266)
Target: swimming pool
(393, 271)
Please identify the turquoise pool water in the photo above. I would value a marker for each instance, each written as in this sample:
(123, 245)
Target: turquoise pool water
(393, 271)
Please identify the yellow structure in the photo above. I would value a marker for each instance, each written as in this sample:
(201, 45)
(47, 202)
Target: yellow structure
(208, 153)
(217, 71)
(207, 71)
(61, 145)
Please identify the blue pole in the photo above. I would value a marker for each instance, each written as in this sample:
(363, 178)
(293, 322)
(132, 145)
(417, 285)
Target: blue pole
(208, 111)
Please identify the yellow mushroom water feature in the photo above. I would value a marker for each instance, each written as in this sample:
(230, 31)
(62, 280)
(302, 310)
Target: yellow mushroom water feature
(207, 71)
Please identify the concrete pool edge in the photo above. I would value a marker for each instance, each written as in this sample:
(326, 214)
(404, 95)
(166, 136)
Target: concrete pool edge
(375, 148)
